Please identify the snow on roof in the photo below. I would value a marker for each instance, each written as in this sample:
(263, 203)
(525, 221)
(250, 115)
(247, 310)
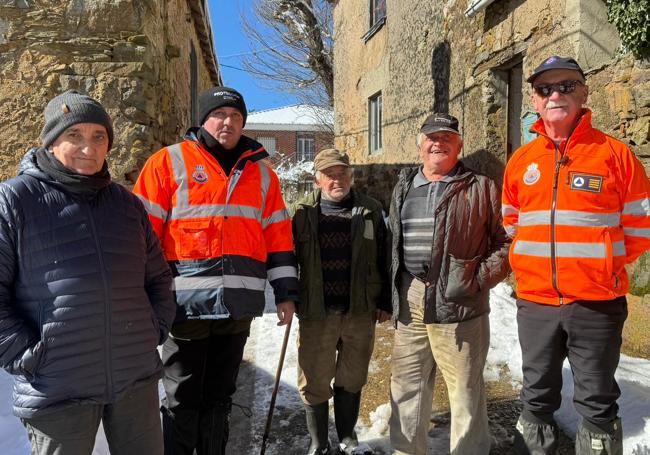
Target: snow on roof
(296, 117)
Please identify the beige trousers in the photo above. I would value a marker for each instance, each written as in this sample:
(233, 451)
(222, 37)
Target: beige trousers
(459, 350)
(338, 348)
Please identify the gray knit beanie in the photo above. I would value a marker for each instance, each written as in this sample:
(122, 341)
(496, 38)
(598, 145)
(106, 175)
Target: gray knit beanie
(70, 108)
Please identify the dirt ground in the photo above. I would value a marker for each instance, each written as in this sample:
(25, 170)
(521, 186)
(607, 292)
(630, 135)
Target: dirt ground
(503, 402)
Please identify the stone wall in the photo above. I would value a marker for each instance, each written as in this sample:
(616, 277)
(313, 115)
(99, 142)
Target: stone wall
(428, 56)
(133, 56)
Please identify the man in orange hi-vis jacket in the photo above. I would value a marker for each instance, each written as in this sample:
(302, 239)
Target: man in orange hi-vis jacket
(576, 203)
(218, 211)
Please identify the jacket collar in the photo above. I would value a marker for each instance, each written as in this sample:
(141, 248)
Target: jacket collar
(582, 128)
(420, 180)
(254, 151)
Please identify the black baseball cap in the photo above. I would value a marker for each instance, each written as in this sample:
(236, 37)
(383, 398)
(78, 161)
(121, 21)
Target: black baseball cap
(440, 122)
(556, 63)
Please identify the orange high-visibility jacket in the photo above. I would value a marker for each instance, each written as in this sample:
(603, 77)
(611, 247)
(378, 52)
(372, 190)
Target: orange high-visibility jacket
(223, 235)
(577, 216)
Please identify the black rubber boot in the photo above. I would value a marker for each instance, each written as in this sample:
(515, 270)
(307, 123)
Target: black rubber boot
(214, 428)
(317, 417)
(346, 413)
(536, 437)
(606, 439)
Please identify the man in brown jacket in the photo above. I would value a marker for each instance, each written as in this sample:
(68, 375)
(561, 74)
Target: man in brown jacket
(448, 250)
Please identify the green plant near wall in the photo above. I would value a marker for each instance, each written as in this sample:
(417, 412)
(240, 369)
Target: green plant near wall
(632, 19)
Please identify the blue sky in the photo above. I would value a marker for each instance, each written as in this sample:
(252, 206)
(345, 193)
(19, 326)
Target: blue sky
(230, 41)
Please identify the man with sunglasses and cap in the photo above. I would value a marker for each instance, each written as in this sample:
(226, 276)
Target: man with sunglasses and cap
(448, 249)
(575, 202)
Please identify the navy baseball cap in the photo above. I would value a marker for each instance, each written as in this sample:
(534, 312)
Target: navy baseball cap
(556, 63)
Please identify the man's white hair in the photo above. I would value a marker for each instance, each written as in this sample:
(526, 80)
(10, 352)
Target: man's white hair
(418, 139)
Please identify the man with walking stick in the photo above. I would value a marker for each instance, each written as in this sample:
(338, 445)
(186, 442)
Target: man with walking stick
(219, 213)
(339, 234)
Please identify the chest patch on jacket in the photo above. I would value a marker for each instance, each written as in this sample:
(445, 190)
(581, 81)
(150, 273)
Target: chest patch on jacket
(199, 174)
(532, 174)
(586, 182)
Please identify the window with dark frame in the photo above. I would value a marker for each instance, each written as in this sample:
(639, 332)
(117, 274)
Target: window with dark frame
(374, 123)
(305, 148)
(377, 11)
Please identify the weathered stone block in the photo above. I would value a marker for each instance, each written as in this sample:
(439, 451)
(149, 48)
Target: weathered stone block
(640, 277)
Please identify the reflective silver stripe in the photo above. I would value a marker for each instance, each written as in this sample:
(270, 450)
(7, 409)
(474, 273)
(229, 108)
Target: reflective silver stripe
(186, 283)
(152, 208)
(568, 249)
(535, 217)
(562, 249)
(580, 250)
(570, 218)
(637, 232)
(508, 210)
(618, 248)
(576, 218)
(244, 282)
(180, 175)
(265, 184)
(276, 217)
(511, 230)
(539, 249)
(211, 210)
(285, 271)
(639, 207)
(232, 182)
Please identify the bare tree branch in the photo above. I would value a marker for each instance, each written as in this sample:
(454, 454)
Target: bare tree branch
(293, 47)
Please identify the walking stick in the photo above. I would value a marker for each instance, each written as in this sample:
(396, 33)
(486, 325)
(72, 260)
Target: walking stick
(278, 372)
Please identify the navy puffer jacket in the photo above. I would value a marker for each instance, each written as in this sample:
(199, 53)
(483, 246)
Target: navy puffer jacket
(85, 293)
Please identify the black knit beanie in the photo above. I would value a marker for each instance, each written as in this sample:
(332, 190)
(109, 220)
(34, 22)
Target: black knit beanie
(216, 97)
(70, 108)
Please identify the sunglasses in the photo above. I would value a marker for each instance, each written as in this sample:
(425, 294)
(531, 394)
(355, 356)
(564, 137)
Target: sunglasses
(564, 87)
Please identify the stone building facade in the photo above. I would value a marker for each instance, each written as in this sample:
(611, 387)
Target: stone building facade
(396, 65)
(144, 60)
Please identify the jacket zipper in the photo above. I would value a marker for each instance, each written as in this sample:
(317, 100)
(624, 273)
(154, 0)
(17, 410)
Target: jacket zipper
(107, 306)
(556, 175)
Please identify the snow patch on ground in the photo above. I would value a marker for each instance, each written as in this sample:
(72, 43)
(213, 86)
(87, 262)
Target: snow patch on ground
(288, 435)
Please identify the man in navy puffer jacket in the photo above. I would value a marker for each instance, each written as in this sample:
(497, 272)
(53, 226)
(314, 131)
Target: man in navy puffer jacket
(85, 293)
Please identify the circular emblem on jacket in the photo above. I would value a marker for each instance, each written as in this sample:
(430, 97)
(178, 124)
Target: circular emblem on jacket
(199, 174)
(578, 182)
(532, 174)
